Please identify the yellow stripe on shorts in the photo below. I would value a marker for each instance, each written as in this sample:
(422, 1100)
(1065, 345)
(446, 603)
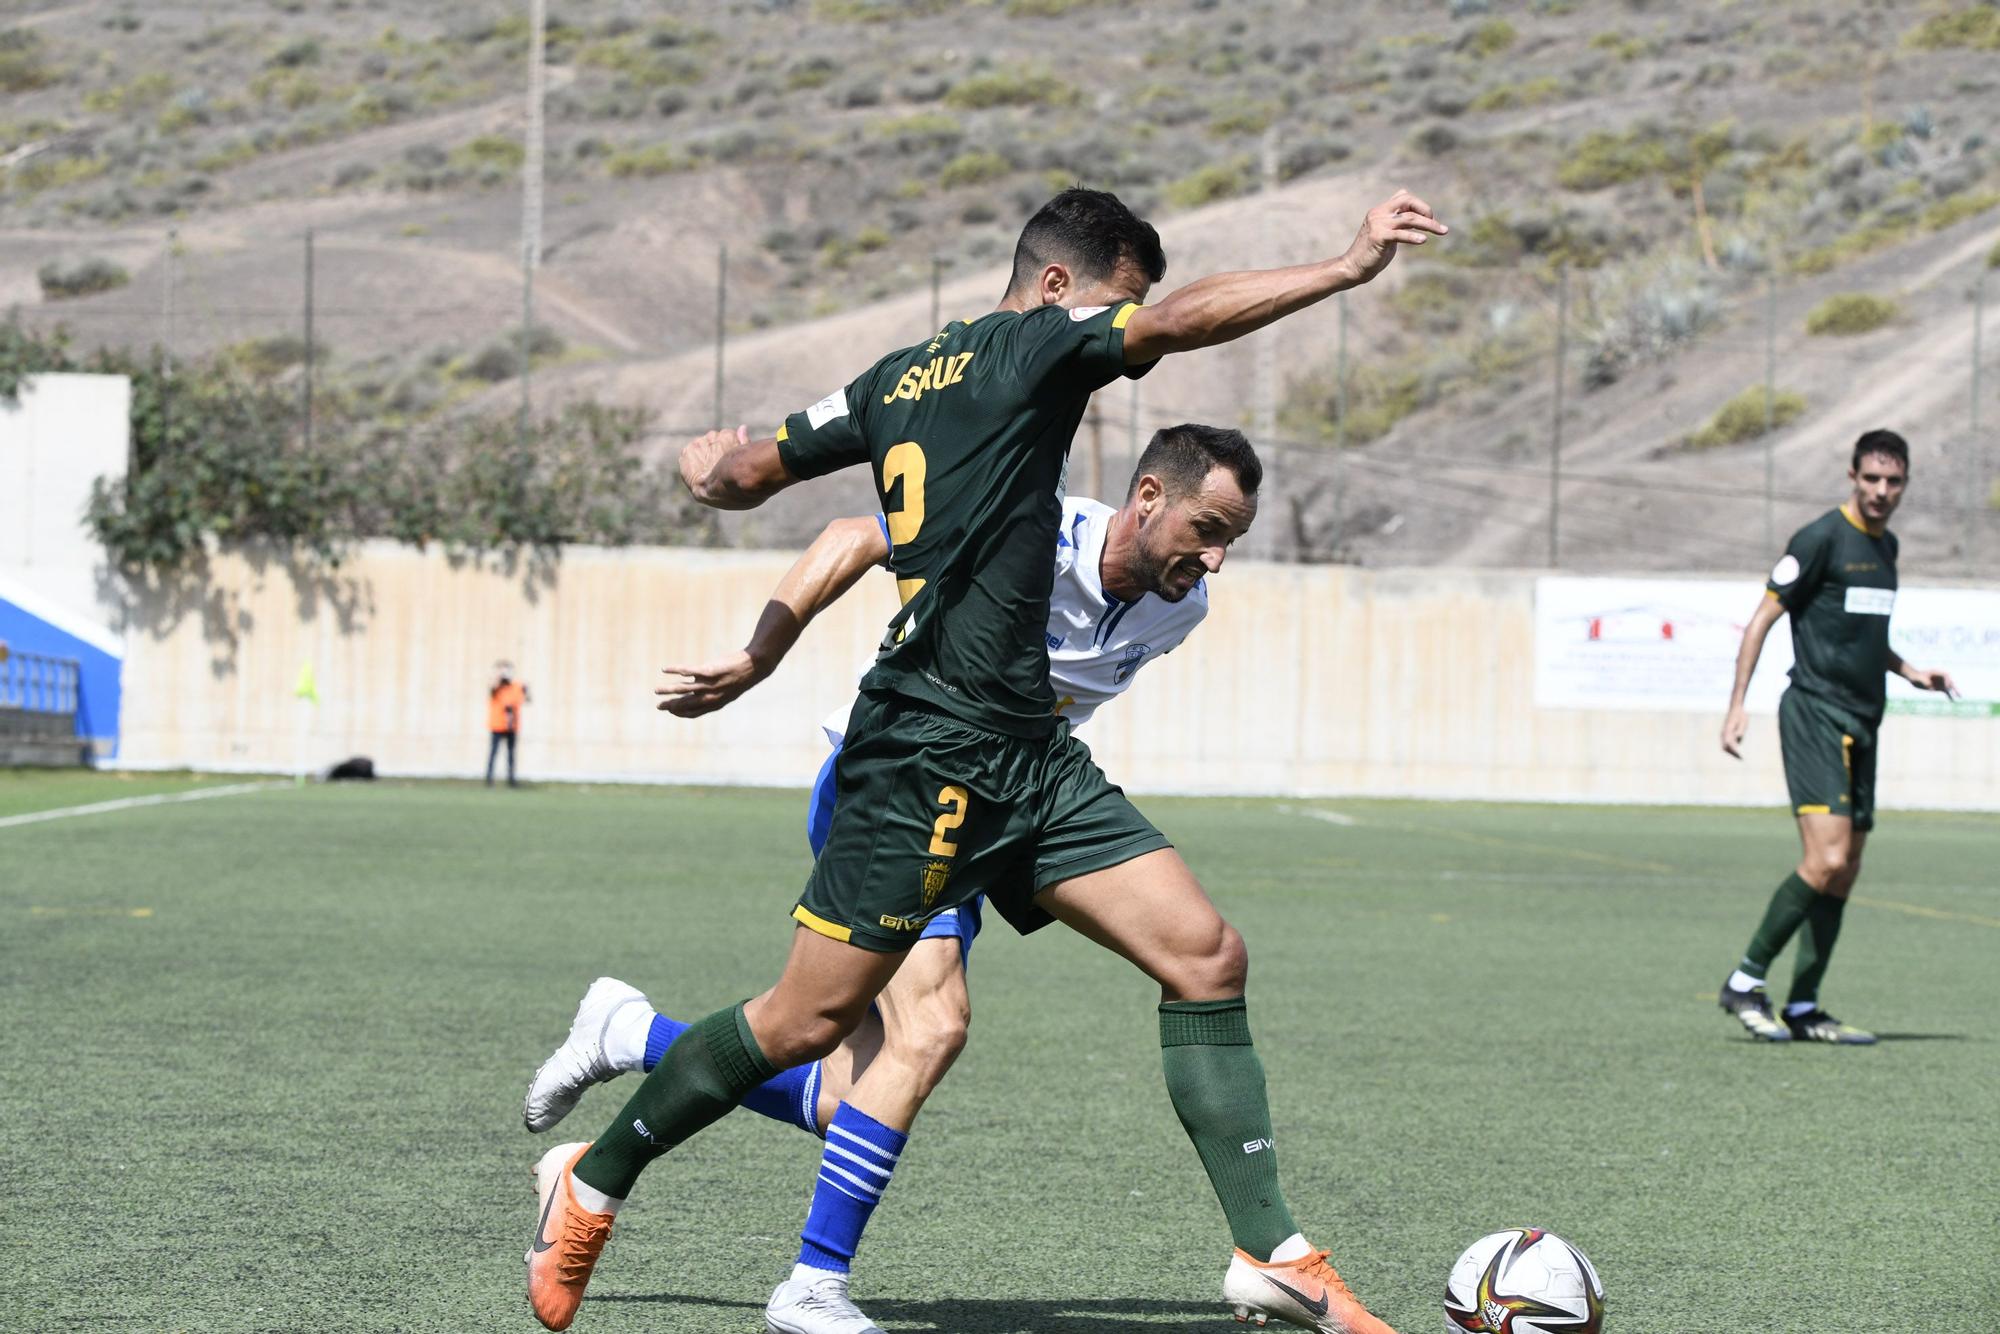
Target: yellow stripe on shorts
(812, 921)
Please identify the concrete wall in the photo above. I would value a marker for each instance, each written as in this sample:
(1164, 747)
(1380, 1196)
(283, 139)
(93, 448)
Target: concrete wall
(1307, 680)
(56, 597)
(63, 433)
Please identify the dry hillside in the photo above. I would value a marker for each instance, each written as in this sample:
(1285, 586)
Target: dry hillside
(1695, 186)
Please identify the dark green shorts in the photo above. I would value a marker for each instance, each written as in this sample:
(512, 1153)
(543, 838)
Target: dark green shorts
(1829, 758)
(929, 812)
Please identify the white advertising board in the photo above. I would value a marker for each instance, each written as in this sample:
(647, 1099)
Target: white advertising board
(1669, 645)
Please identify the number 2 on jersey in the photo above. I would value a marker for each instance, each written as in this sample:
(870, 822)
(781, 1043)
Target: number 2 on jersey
(955, 797)
(905, 463)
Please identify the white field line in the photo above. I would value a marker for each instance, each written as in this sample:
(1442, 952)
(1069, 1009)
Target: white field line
(1331, 817)
(132, 803)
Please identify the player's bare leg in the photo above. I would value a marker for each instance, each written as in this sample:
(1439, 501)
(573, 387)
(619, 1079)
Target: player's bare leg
(823, 994)
(869, 1100)
(1154, 912)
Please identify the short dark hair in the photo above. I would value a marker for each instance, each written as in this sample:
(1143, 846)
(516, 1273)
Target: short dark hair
(1089, 231)
(1183, 456)
(1886, 443)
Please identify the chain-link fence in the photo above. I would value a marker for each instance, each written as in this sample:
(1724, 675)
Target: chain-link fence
(1679, 415)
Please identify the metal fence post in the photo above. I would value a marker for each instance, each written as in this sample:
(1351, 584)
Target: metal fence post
(1976, 496)
(721, 324)
(1556, 426)
(1339, 420)
(1770, 411)
(306, 391)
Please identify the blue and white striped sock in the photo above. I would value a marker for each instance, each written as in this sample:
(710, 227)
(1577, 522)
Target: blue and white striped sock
(860, 1157)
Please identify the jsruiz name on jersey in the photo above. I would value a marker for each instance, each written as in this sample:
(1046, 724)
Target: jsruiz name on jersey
(940, 373)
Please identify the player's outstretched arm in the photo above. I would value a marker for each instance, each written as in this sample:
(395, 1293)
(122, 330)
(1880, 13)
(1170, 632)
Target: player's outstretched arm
(1923, 678)
(1737, 723)
(1226, 306)
(727, 470)
(844, 551)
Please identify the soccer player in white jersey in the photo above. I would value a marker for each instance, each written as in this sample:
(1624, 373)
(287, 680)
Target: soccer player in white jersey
(1130, 585)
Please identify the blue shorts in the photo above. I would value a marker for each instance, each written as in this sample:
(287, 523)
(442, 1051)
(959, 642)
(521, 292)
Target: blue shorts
(960, 923)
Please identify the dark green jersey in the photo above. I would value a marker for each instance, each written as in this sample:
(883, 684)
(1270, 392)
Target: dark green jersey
(968, 437)
(1838, 583)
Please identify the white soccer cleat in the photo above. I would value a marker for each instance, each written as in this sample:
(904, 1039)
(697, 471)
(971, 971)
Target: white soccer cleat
(580, 1062)
(816, 1305)
(1305, 1292)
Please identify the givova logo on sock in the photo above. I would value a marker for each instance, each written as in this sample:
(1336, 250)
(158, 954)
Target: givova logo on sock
(1258, 1145)
(644, 1133)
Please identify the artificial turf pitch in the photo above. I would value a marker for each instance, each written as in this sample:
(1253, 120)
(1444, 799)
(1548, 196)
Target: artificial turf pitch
(264, 1057)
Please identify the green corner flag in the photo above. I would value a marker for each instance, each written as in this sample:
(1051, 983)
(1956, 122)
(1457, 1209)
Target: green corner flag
(307, 688)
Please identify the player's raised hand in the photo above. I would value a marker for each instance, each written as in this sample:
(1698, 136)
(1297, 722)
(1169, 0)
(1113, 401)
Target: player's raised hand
(704, 689)
(1734, 727)
(1401, 219)
(700, 455)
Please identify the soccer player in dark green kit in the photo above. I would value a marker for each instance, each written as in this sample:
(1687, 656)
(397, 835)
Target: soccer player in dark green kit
(1837, 581)
(957, 777)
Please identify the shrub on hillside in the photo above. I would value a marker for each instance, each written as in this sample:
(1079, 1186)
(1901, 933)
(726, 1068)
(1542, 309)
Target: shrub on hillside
(1743, 417)
(1976, 27)
(1489, 38)
(1217, 181)
(1848, 313)
(1603, 158)
(84, 278)
(974, 168)
(23, 63)
(1008, 88)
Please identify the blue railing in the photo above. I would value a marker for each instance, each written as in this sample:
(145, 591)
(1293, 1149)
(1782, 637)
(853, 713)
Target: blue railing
(39, 683)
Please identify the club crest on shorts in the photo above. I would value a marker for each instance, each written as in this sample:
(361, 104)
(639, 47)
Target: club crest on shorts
(935, 875)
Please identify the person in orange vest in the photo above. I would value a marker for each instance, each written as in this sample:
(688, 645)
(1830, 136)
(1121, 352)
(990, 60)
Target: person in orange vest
(503, 717)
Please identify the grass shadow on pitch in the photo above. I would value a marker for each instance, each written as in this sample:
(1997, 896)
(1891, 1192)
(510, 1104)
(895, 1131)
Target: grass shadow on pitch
(1924, 1037)
(993, 1315)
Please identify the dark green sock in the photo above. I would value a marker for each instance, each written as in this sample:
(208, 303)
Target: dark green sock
(1217, 1084)
(1781, 919)
(1816, 947)
(695, 1084)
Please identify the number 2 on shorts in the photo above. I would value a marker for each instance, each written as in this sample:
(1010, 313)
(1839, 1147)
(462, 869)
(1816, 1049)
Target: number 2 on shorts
(954, 797)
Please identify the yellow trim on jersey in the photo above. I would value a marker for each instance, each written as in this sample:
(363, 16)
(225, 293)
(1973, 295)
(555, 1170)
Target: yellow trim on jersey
(1772, 594)
(784, 433)
(1850, 516)
(1124, 316)
(812, 921)
(1803, 810)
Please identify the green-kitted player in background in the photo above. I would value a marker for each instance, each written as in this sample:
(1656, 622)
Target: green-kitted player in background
(1837, 580)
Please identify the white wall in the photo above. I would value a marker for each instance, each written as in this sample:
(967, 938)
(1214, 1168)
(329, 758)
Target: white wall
(65, 432)
(1305, 680)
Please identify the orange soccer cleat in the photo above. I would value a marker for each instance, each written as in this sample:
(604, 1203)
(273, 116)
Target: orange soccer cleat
(1305, 1292)
(568, 1240)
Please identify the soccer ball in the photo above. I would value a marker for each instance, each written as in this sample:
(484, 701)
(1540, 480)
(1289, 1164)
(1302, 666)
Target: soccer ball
(1523, 1281)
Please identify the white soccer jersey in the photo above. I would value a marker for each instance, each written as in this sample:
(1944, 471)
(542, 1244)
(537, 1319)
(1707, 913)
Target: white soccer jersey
(1097, 643)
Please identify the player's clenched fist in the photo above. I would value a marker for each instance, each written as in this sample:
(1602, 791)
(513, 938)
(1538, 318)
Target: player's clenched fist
(1401, 219)
(700, 455)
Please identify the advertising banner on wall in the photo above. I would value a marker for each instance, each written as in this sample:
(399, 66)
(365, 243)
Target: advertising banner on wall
(1669, 645)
